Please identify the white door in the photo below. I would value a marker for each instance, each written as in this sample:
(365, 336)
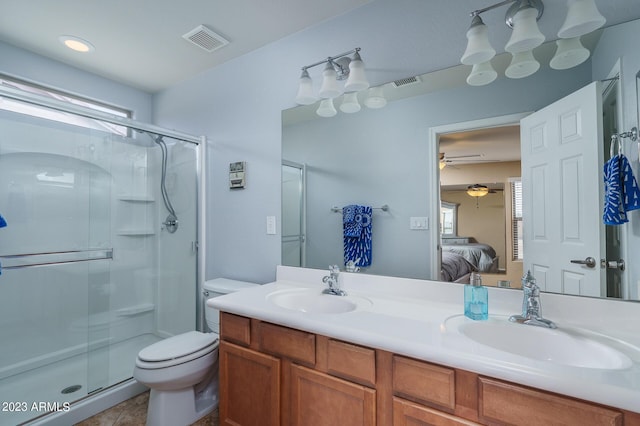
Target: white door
(562, 189)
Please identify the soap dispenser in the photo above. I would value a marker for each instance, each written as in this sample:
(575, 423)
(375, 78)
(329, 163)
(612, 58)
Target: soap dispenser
(476, 299)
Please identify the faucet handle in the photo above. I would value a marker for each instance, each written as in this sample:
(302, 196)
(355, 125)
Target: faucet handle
(334, 269)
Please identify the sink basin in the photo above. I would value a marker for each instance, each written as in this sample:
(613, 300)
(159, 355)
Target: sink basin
(313, 301)
(563, 346)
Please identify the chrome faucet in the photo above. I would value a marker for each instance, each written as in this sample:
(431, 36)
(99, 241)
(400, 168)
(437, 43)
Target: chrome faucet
(531, 308)
(332, 281)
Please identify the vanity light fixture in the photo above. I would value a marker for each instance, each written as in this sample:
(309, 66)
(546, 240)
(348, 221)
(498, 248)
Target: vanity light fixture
(337, 68)
(582, 18)
(77, 44)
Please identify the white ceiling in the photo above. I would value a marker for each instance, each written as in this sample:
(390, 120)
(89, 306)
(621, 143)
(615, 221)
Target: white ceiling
(140, 42)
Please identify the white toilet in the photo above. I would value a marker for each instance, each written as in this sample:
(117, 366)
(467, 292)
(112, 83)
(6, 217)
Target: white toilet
(182, 371)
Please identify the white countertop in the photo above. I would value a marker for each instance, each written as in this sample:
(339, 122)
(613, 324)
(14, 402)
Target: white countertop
(409, 317)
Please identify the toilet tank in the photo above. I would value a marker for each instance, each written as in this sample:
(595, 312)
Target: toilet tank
(219, 287)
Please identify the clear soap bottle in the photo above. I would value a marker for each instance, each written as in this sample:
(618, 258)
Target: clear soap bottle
(476, 299)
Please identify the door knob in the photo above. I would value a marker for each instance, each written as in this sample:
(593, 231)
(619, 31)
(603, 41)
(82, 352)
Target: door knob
(589, 262)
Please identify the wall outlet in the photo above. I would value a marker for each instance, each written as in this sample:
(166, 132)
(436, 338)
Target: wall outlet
(419, 223)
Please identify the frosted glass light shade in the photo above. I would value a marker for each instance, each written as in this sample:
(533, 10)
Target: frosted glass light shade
(375, 99)
(330, 87)
(482, 74)
(582, 18)
(478, 47)
(570, 53)
(326, 108)
(305, 94)
(523, 64)
(357, 79)
(350, 103)
(525, 35)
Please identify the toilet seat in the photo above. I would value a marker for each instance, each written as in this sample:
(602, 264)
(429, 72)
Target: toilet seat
(177, 350)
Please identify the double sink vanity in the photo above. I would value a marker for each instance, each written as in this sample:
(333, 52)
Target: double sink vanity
(397, 351)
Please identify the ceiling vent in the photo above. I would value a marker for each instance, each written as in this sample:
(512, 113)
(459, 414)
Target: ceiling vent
(406, 81)
(205, 38)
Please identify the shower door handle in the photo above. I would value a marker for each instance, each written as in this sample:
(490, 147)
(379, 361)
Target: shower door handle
(589, 262)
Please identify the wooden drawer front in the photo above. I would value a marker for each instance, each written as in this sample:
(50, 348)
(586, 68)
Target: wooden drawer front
(426, 383)
(508, 404)
(287, 342)
(235, 328)
(352, 362)
(406, 413)
(318, 399)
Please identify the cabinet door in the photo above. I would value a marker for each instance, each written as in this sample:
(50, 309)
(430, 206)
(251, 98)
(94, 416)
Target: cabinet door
(249, 387)
(407, 413)
(318, 399)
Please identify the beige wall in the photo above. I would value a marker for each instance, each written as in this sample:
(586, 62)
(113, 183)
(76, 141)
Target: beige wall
(490, 221)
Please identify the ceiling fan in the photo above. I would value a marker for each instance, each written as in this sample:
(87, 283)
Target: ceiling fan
(450, 160)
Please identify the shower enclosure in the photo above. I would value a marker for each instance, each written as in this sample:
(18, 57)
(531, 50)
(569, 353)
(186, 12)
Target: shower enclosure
(93, 267)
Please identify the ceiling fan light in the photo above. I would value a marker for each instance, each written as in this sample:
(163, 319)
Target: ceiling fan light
(479, 48)
(570, 53)
(357, 79)
(525, 35)
(523, 64)
(482, 74)
(330, 87)
(350, 103)
(477, 190)
(582, 18)
(375, 98)
(326, 108)
(305, 94)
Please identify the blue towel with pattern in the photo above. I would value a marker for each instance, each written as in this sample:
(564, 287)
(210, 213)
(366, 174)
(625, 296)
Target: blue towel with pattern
(621, 191)
(356, 226)
(3, 222)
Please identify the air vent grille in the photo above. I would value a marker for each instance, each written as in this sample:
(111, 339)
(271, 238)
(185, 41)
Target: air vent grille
(406, 81)
(205, 38)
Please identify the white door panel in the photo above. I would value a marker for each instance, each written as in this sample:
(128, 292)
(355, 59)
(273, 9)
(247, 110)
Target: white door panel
(561, 148)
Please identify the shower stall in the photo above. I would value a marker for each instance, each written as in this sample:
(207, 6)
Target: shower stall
(98, 259)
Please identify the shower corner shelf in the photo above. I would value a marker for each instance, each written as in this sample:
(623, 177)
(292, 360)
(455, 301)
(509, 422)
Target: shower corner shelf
(136, 198)
(135, 232)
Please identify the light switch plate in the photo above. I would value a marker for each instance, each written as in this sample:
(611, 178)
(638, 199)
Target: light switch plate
(419, 223)
(271, 225)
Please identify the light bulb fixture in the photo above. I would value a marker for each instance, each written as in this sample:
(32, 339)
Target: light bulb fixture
(375, 98)
(326, 108)
(482, 74)
(479, 48)
(337, 68)
(350, 103)
(570, 52)
(77, 44)
(525, 35)
(523, 64)
(477, 190)
(583, 17)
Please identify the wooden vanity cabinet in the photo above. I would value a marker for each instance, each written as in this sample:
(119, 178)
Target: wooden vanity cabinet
(272, 375)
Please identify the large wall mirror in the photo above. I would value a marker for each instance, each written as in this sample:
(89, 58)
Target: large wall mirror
(417, 161)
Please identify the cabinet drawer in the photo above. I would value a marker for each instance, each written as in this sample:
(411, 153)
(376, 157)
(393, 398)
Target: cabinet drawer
(293, 344)
(352, 362)
(423, 382)
(509, 404)
(235, 328)
(406, 413)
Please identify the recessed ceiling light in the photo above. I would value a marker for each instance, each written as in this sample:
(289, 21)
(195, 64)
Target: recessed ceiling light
(77, 44)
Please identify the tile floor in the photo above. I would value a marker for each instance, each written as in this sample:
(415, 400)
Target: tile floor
(133, 412)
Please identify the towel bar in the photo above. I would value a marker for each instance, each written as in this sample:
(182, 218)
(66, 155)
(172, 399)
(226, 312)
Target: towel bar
(384, 208)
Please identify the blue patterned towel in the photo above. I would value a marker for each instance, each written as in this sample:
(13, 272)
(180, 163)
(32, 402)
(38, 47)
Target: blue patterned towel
(356, 226)
(621, 191)
(3, 222)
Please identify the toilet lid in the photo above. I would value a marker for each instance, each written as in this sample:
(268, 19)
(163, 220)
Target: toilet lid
(177, 346)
